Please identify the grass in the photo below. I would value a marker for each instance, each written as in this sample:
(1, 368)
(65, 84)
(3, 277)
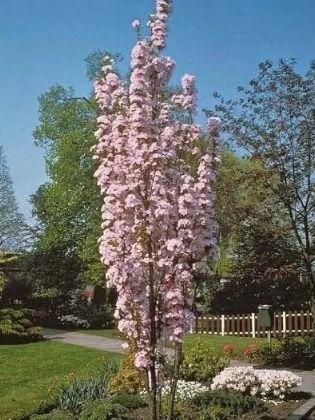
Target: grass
(218, 342)
(29, 370)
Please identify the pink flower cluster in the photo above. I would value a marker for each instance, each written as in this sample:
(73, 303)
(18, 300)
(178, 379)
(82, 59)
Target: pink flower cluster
(158, 206)
(187, 99)
(158, 23)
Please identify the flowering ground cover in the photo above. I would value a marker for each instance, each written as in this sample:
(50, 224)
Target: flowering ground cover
(28, 370)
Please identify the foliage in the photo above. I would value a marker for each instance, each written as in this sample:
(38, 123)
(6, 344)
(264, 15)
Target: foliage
(233, 403)
(54, 274)
(129, 379)
(214, 413)
(67, 207)
(273, 120)
(75, 395)
(72, 397)
(103, 410)
(202, 363)
(43, 407)
(267, 383)
(256, 258)
(250, 352)
(108, 368)
(16, 327)
(71, 321)
(130, 401)
(54, 415)
(14, 233)
(229, 350)
(293, 352)
(97, 316)
(15, 286)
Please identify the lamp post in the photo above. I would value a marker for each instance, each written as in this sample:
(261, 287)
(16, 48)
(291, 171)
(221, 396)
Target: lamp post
(265, 319)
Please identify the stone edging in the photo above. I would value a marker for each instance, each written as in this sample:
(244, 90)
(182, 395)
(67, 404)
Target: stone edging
(305, 409)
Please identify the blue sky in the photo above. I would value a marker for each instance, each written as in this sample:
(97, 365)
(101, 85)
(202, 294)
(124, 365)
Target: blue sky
(45, 41)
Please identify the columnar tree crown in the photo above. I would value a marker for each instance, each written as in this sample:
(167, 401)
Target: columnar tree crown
(156, 174)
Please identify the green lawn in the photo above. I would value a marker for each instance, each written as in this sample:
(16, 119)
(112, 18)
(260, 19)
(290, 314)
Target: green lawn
(218, 342)
(27, 371)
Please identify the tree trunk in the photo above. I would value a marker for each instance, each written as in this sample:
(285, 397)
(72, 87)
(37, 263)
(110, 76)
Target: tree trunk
(177, 363)
(153, 394)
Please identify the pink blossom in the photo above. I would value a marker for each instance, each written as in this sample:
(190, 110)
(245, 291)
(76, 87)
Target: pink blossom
(136, 24)
(158, 214)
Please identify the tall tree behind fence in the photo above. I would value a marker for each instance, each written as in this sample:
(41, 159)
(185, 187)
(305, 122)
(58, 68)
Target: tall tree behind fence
(297, 323)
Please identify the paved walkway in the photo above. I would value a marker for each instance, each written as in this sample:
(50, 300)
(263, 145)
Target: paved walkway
(115, 345)
(85, 340)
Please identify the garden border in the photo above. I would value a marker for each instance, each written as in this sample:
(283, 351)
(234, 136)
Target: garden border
(304, 410)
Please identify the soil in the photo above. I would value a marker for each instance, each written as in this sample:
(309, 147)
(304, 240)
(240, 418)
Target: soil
(279, 411)
(276, 412)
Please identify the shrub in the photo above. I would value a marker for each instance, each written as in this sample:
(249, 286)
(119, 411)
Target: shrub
(214, 413)
(297, 352)
(54, 415)
(129, 379)
(130, 401)
(202, 363)
(16, 326)
(103, 410)
(234, 403)
(267, 383)
(102, 317)
(71, 321)
(250, 352)
(277, 383)
(43, 407)
(97, 316)
(229, 350)
(109, 368)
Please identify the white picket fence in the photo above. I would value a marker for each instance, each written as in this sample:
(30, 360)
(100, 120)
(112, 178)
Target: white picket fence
(246, 325)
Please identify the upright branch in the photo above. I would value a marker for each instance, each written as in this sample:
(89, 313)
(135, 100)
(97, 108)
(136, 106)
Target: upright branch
(156, 175)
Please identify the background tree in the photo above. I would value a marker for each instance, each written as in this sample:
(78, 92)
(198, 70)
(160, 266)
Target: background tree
(67, 207)
(256, 254)
(13, 230)
(274, 120)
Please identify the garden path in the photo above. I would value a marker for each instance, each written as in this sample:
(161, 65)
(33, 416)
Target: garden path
(86, 340)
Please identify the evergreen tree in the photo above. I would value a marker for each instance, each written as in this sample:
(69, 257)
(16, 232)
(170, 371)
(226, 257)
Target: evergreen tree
(12, 225)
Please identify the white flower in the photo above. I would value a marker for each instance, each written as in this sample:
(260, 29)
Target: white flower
(184, 391)
(263, 382)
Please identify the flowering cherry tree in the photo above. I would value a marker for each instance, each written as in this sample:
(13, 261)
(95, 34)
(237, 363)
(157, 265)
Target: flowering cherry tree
(156, 173)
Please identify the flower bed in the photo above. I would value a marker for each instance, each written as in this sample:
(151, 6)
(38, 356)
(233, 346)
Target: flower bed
(266, 383)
